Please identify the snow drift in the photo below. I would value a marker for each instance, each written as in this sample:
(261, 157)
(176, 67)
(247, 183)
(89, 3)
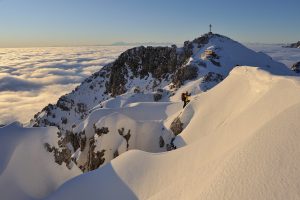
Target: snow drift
(242, 143)
(142, 89)
(27, 170)
(236, 139)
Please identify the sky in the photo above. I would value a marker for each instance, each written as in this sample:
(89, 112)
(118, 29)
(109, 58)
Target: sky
(32, 23)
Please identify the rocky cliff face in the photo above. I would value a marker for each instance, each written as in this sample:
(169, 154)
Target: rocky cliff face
(140, 62)
(160, 64)
(102, 118)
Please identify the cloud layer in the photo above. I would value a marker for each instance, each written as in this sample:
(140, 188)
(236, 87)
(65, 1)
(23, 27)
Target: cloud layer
(287, 56)
(31, 78)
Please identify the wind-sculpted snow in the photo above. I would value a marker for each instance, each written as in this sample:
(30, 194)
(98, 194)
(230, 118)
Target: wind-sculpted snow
(30, 78)
(142, 74)
(134, 103)
(27, 170)
(241, 143)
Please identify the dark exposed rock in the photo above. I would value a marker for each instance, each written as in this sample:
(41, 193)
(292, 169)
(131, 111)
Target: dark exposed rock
(95, 159)
(161, 142)
(59, 134)
(216, 63)
(137, 89)
(210, 80)
(183, 74)
(60, 156)
(48, 109)
(201, 63)
(143, 61)
(171, 146)
(157, 96)
(65, 103)
(126, 137)
(176, 126)
(201, 41)
(212, 76)
(100, 131)
(116, 154)
(296, 67)
(160, 90)
(81, 107)
(64, 120)
(48, 147)
(74, 139)
(82, 141)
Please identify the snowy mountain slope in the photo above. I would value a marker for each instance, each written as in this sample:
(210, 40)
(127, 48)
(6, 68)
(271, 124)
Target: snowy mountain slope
(87, 117)
(147, 69)
(257, 93)
(245, 147)
(27, 170)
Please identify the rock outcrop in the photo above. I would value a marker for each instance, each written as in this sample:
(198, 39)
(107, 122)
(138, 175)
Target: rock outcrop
(296, 67)
(176, 126)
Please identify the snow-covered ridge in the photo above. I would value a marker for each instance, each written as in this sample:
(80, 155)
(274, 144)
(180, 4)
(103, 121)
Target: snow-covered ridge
(244, 148)
(103, 118)
(237, 131)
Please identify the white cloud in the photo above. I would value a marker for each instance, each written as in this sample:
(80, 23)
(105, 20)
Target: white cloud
(31, 78)
(10, 83)
(287, 56)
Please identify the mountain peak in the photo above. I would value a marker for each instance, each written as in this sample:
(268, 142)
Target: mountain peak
(141, 74)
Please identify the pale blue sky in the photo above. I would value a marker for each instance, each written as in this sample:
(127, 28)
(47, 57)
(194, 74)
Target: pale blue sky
(92, 22)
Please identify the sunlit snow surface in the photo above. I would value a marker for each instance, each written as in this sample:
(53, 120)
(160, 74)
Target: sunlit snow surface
(241, 142)
(31, 78)
(240, 139)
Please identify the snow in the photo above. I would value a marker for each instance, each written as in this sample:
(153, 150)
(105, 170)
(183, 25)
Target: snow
(145, 121)
(242, 143)
(27, 171)
(239, 138)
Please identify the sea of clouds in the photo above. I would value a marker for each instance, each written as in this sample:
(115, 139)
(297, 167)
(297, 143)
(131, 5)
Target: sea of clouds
(287, 56)
(31, 78)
